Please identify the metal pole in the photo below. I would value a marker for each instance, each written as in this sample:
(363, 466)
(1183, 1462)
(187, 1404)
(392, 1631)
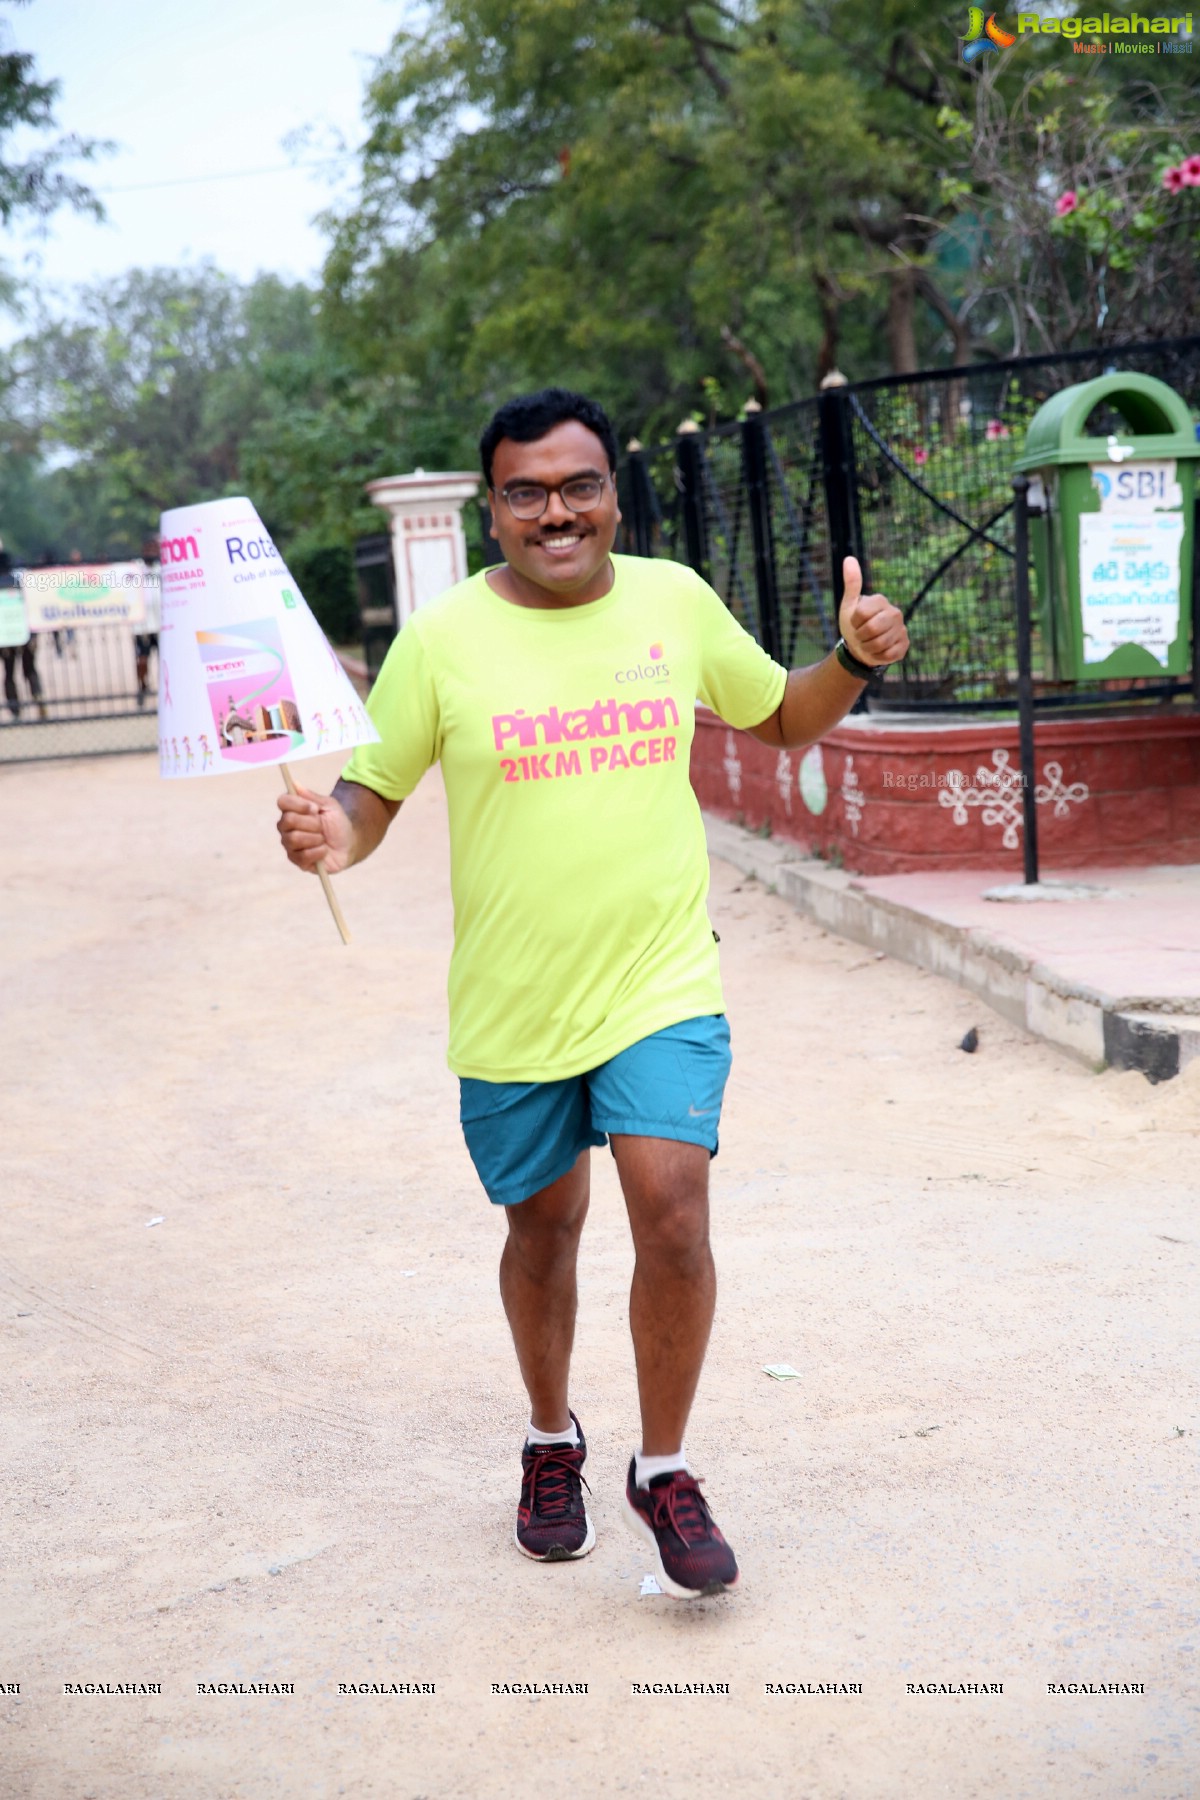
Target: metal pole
(691, 493)
(1025, 676)
(639, 482)
(754, 474)
(1196, 603)
(840, 475)
(837, 476)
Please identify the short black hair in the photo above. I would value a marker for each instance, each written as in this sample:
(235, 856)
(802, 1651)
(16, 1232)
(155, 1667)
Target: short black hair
(528, 417)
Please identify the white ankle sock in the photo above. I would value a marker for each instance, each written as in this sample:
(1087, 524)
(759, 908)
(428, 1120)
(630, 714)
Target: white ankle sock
(569, 1436)
(647, 1467)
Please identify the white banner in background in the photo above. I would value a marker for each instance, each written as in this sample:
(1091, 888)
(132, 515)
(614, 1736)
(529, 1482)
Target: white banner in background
(86, 594)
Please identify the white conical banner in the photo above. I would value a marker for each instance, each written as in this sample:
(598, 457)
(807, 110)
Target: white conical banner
(245, 673)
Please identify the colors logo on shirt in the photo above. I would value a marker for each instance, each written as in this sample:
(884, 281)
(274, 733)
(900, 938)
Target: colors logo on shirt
(655, 670)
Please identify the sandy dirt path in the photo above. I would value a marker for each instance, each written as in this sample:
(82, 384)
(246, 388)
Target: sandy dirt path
(274, 1438)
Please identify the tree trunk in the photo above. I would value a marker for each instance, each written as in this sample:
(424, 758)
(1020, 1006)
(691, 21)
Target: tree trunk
(901, 329)
(828, 299)
(758, 374)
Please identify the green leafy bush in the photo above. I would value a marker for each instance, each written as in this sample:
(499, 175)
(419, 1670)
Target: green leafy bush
(325, 576)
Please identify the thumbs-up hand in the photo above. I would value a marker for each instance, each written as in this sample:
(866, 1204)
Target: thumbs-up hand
(873, 628)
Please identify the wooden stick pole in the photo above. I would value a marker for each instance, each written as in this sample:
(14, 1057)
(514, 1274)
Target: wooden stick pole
(334, 908)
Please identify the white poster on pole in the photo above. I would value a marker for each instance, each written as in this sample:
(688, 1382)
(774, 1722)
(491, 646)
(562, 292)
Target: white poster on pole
(1129, 582)
(246, 675)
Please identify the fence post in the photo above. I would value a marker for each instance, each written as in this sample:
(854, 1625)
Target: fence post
(1196, 603)
(690, 465)
(639, 511)
(758, 497)
(840, 476)
(1025, 677)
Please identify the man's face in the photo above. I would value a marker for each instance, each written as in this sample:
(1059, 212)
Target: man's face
(564, 553)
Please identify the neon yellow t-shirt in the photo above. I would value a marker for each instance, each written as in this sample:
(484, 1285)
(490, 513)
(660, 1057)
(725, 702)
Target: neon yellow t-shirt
(578, 863)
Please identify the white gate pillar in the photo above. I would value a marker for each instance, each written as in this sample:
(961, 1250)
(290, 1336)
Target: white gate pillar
(429, 546)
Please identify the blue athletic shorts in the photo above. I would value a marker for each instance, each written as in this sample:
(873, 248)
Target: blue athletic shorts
(522, 1135)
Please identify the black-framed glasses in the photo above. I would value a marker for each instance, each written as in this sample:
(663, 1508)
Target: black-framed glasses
(529, 499)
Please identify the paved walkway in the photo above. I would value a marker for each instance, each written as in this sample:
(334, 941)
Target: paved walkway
(1103, 962)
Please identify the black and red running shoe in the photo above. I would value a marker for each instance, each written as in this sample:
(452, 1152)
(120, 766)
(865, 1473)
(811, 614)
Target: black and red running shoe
(672, 1516)
(552, 1525)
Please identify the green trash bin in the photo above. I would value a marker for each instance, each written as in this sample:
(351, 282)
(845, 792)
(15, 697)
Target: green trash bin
(1111, 529)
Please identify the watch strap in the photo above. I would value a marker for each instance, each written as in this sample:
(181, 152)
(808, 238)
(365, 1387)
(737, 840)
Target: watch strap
(853, 666)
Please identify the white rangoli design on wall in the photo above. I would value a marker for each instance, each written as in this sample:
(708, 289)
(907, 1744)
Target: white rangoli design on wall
(853, 798)
(997, 792)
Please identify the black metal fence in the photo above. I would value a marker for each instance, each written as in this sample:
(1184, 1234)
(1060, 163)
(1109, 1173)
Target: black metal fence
(913, 475)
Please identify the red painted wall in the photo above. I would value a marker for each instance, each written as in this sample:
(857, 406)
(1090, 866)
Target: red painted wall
(1113, 792)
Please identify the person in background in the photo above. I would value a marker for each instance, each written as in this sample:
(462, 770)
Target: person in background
(26, 651)
(146, 640)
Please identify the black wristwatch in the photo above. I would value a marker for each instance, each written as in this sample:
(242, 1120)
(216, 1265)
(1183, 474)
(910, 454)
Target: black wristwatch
(861, 671)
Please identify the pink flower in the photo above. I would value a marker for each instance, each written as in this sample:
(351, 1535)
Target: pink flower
(995, 429)
(1174, 179)
(1190, 170)
(920, 456)
(1066, 203)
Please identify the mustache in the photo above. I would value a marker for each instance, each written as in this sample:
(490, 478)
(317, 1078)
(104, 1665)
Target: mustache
(563, 531)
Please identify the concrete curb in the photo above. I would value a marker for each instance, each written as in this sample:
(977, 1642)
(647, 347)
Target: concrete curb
(1103, 1030)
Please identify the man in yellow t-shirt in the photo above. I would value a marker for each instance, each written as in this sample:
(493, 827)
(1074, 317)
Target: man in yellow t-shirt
(558, 692)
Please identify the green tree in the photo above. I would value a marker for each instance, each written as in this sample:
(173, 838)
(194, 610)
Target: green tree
(679, 201)
(637, 195)
(177, 386)
(149, 394)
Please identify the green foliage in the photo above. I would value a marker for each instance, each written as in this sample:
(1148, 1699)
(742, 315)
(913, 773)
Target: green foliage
(670, 205)
(171, 387)
(969, 468)
(1063, 166)
(325, 576)
(1118, 224)
(639, 198)
(673, 205)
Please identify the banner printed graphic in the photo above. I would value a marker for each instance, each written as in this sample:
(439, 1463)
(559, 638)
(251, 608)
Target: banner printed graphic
(250, 691)
(246, 675)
